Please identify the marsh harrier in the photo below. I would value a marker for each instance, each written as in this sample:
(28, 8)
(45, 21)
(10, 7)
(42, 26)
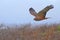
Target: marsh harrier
(41, 14)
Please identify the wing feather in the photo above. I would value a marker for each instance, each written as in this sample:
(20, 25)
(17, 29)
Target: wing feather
(43, 12)
(32, 12)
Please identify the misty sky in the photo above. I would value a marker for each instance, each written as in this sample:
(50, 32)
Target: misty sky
(17, 11)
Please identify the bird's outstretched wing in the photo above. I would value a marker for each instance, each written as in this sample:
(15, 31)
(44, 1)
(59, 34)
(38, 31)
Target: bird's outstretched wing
(43, 12)
(32, 12)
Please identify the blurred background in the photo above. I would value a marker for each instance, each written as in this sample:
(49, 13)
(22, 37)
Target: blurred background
(17, 11)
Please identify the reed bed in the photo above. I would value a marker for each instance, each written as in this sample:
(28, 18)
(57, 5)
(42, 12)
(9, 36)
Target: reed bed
(27, 32)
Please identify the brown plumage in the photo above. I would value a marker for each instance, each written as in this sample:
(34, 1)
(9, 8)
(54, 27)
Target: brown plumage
(41, 14)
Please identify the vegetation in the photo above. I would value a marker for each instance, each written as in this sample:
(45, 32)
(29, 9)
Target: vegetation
(28, 32)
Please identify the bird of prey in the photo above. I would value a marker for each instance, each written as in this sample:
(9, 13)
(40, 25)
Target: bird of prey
(41, 14)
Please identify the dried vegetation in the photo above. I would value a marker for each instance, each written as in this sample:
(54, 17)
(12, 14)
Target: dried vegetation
(26, 32)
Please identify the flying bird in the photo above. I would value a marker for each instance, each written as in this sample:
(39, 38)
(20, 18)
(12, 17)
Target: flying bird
(41, 14)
